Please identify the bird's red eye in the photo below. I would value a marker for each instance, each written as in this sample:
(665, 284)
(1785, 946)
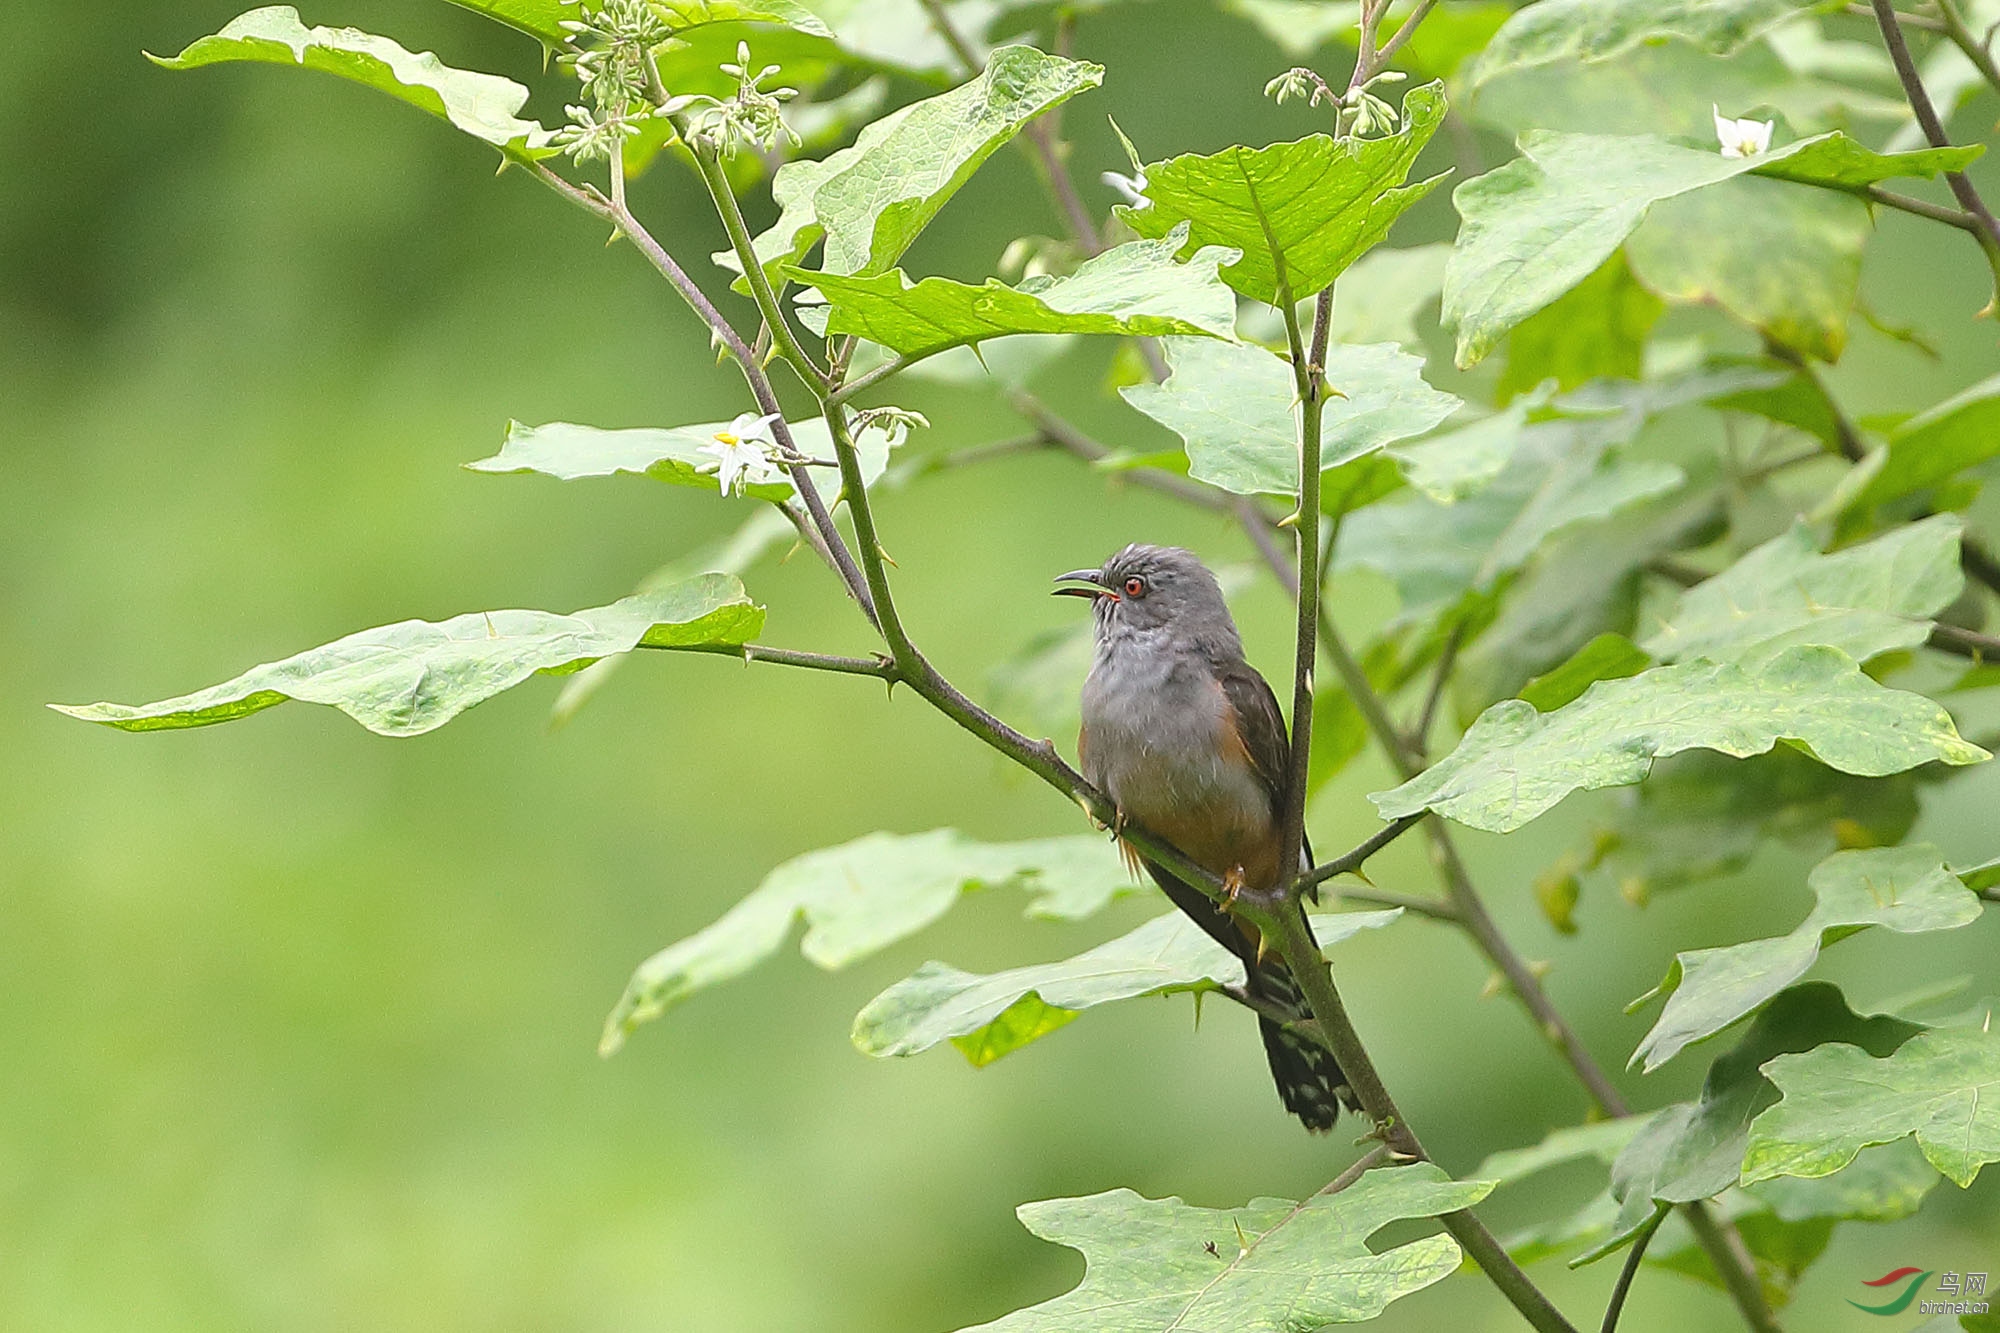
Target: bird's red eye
(1135, 587)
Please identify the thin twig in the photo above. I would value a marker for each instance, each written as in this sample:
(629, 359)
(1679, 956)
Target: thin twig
(1907, 20)
(1360, 1167)
(1631, 1269)
(1401, 35)
(1420, 735)
(1064, 435)
(1980, 53)
(1349, 862)
(880, 667)
(1409, 902)
(1964, 643)
(1951, 217)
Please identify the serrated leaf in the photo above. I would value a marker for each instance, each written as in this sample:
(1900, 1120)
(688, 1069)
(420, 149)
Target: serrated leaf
(1935, 445)
(1136, 289)
(1271, 1266)
(1866, 600)
(989, 1016)
(1235, 405)
(863, 896)
(1561, 473)
(1515, 763)
(1904, 889)
(1539, 225)
(871, 200)
(1942, 1086)
(485, 106)
(1298, 212)
(1556, 30)
(413, 677)
(670, 454)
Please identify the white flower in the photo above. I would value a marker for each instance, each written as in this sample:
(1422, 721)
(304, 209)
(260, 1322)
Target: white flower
(743, 454)
(1132, 187)
(1741, 138)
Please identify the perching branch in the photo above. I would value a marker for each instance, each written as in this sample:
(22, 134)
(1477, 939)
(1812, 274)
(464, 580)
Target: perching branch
(880, 667)
(1309, 375)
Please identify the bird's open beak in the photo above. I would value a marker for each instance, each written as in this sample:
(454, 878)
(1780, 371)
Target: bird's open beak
(1092, 581)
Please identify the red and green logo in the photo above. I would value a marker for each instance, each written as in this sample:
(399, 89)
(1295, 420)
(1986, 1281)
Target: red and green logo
(1911, 1279)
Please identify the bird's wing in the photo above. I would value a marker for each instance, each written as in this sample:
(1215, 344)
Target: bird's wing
(1260, 726)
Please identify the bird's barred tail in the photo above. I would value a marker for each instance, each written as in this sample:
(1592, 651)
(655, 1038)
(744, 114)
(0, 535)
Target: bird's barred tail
(1308, 1079)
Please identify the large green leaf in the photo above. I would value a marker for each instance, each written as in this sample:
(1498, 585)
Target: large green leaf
(669, 454)
(1298, 212)
(863, 896)
(1904, 889)
(413, 677)
(1137, 289)
(871, 200)
(1785, 261)
(1515, 763)
(1941, 1086)
(1559, 474)
(1271, 1266)
(485, 106)
(1542, 223)
(1235, 406)
(1599, 29)
(1865, 600)
(986, 1017)
(544, 18)
(1933, 446)
(1596, 330)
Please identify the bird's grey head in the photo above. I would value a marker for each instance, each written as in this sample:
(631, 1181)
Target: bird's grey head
(1144, 590)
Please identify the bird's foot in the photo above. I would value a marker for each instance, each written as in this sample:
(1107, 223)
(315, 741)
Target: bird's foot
(1232, 887)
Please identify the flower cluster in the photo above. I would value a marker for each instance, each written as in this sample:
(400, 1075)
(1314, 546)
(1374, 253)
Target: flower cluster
(1359, 113)
(752, 118)
(610, 52)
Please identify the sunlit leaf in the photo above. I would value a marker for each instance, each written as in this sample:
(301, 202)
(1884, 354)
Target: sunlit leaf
(1599, 29)
(413, 677)
(1234, 405)
(1271, 1266)
(871, 200)
(985, 1015)
(864, 896)
(1933, 446)
(485, 106)
(543, 18)
(1516, 763)
(670, 454)
(1136, 289)
(1298, 212)
(1865, 600)
(1942, 1086)
(1904, 889)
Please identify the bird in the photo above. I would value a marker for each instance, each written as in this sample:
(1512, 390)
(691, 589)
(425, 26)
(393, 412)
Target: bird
(1186, 738)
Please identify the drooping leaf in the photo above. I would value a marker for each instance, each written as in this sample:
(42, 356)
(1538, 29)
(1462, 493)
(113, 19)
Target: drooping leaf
(413, 677)
(1135, 289)
(1298, 212)
(671, 454)
(1271, 1266)
(1596, 330)
(1865, 600)
(1516, 763)
(1539, 225)
(989, 1016)
(1904, 889)
(871, 200)
(1555, 30)
(1835, 161)
(1942, 1086)
(1561, 473)
(863, 896)
(485, 106)
(1234, 406)
(1936, 445)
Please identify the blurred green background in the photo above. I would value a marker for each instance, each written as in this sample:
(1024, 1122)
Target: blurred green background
(297, 1024)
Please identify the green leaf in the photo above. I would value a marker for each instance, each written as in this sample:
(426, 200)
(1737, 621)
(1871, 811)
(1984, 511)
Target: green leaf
(1380, 295)
(1606, 657)
(1601, 1140)
(1785, 261)
(1234, 405)
(1866, 600)
(1134, 289)
(485, 106)
(413, 677)
(989, 1016)
(1298, 212)
(1596, 330)
(1516, 763)
(1942, 1086)
(1460, 462)
(1271, 1266)
(1935, 445)
(672, 455)
(1905, 889)
(1539, 225)
(1835, 161)
(871, 200)
(1561, 473)
(543, 18)
(861, 897)
(1600, 29)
